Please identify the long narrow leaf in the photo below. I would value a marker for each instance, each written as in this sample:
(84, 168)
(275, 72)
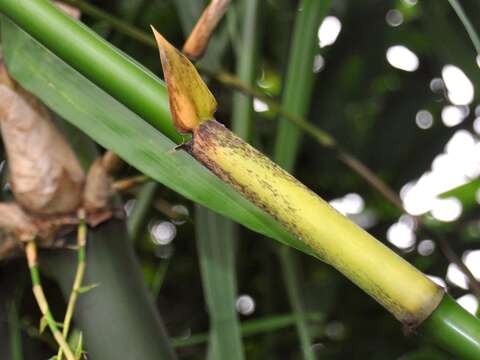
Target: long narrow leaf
(216, 251)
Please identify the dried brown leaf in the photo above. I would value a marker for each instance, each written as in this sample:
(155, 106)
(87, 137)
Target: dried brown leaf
(68, 9)
(98, 187)
(45, 174)
(9, 246)
(14, 221)
(111, 162)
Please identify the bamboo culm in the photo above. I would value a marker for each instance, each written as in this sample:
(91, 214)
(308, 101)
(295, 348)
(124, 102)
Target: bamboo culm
(403, 290)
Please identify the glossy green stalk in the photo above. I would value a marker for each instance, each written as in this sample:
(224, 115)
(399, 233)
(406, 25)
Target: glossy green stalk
(32, 258)
(296, 98)
(77, 282)
(454, 329)
(116, 23)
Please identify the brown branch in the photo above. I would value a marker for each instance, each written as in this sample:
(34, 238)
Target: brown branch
(197, 42)
(126, 184)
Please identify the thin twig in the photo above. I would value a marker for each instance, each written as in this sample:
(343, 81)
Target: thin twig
(31, 254)
(111, 162)
(77, 283)
(200, 36)
(451, 256)
(371, 178)
(167, 209)
(126, 184)
(322, 137)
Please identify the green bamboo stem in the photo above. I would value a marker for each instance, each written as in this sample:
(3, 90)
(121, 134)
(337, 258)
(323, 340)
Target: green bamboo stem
(454, 329)
(77, 282)
(95, 58)
(116, 23)
(31, 254)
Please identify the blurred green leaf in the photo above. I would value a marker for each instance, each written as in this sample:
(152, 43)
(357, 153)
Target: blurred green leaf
(267, 324)
(466, 193)
(216, 252)
(43, 324)
(424, 354)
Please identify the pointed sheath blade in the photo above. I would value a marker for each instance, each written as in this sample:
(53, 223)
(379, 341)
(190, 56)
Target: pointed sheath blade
(191, 102)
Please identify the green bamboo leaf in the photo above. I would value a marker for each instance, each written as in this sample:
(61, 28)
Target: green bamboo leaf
(14, 328)
(43, 324)
(424, 354)
(79, 347)
(115, 127)
(87, 288)
(216, 252)
(138, 216)
(466, 193)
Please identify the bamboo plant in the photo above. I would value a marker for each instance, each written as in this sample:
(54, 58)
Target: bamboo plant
(411, 297)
